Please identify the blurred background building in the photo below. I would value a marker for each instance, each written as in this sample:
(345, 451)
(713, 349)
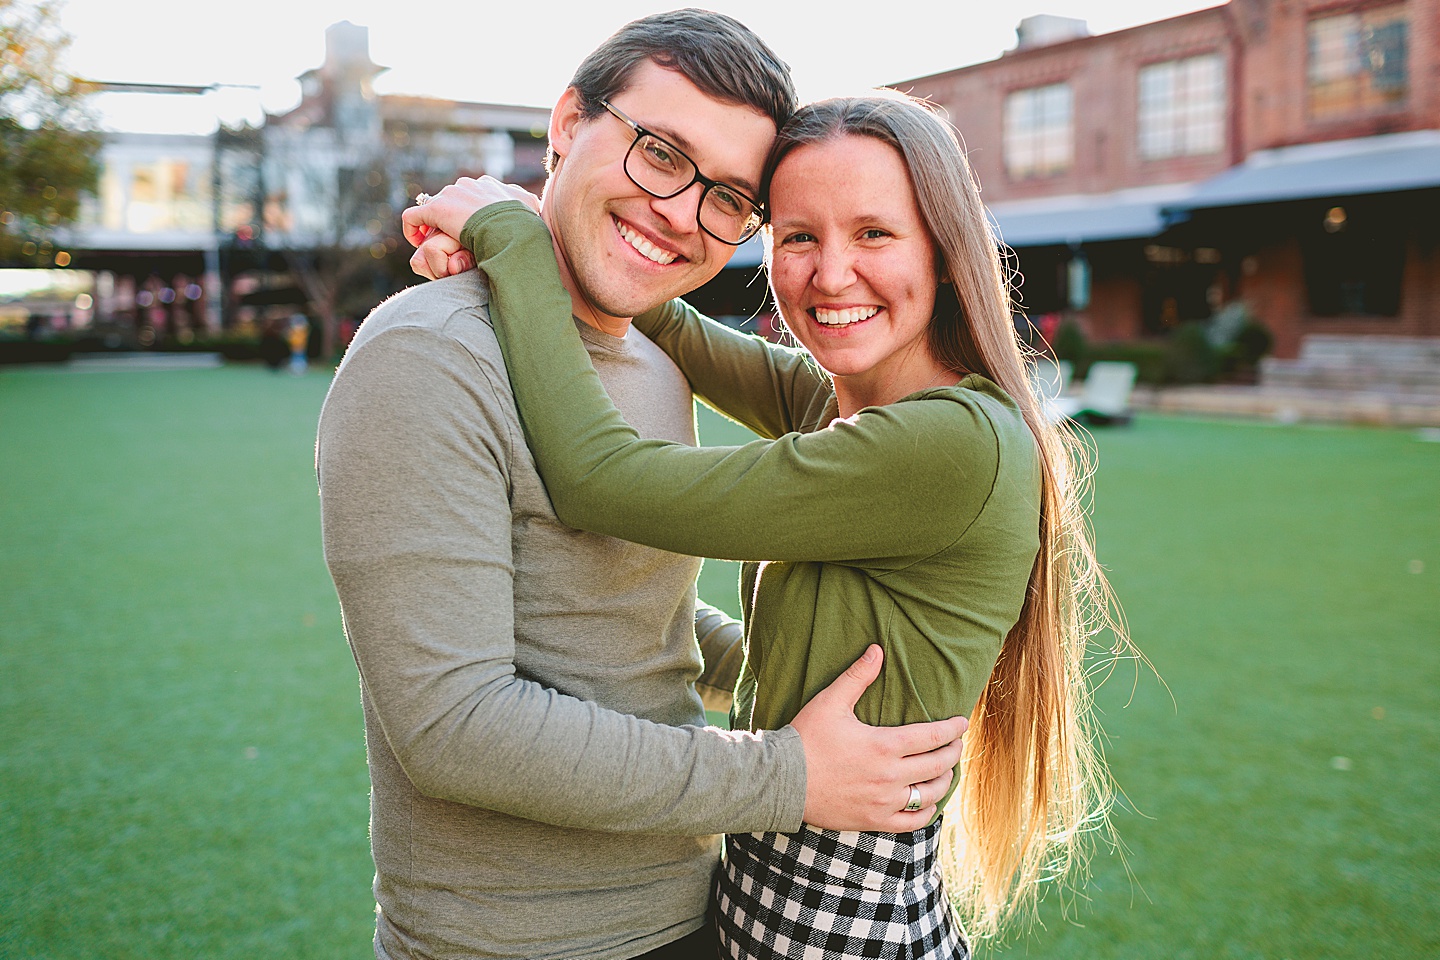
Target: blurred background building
(204, 236)
(1273, 162)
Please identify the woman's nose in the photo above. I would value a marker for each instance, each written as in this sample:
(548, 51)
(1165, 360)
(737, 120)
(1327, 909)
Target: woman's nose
(834, 270)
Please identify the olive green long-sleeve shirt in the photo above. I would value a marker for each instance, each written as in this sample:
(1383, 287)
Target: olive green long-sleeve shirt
(914, 525)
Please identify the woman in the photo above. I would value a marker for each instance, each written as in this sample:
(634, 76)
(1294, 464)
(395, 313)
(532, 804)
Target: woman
(912, 495)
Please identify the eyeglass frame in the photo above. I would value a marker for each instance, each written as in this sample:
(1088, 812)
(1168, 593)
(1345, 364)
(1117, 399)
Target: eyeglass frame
(641, 133)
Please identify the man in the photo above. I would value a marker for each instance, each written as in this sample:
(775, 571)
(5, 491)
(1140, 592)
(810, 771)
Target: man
(543, 783)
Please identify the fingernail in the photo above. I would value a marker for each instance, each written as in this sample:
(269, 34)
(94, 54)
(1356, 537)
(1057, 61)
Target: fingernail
(871, 652)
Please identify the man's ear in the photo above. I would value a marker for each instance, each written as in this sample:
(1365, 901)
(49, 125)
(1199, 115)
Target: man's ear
(565, 122)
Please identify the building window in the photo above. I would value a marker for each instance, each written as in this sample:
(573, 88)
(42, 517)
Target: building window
(1359, 63)
(1182, 107)
(1039, 131)
(164, 195)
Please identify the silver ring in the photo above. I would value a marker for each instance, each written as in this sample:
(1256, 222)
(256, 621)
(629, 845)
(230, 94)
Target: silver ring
(422, 198)
(914, 803)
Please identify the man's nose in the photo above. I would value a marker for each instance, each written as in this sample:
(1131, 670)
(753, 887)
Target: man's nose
(681, 211)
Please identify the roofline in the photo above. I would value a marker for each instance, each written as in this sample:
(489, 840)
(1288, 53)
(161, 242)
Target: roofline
(1009, 56)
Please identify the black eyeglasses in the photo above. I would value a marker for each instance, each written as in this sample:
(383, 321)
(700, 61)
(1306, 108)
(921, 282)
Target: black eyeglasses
(662, 170)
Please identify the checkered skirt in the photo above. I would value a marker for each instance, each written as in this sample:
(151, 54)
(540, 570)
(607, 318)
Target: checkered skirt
(822, 894)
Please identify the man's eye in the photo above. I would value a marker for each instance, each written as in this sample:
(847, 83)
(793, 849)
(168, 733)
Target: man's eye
(798, 238)
(659, 154)
(727, 201)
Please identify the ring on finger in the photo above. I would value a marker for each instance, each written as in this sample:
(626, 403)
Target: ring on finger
(914, 803)
(422, 198)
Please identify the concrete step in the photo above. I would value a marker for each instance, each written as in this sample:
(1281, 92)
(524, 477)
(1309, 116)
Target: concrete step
(1397, 377)
(1377, 350)
(1292, 404)
(1404, 365)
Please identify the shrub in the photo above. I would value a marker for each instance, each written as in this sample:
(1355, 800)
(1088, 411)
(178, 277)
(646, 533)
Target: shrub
(1241, 357)
(1239, 340)
(1190, 357)
(1070, 345)
(1229, 344)
(231, 346)
(34, 351)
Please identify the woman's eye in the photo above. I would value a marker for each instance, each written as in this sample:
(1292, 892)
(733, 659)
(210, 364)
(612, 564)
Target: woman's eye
(874, 233)
(798, 238)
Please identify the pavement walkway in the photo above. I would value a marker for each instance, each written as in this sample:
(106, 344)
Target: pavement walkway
(1293, 404)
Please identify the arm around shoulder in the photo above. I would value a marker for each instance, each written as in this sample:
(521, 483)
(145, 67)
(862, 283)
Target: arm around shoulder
(771, 389)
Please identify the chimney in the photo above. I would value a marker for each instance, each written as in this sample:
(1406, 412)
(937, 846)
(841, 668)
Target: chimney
(1044, 29)
(346, 44)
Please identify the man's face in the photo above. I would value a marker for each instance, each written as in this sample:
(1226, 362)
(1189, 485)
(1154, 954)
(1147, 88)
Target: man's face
(624, 251)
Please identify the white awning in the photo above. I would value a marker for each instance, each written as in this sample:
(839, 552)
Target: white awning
(1089, 217)
(1340, 168)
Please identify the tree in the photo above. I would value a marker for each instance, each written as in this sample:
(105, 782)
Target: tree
(48, 150)
(329, 214)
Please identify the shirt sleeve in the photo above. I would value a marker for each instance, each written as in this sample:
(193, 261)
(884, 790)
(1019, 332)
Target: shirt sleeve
(414, 495)
(846, 493)
(722, 646)
(771, 389)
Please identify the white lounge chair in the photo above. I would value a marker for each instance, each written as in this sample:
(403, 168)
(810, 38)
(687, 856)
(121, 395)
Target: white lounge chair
(1050, 378)
(1104, 399)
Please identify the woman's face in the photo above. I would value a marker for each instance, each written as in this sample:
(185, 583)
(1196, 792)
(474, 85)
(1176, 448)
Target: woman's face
(853, 266)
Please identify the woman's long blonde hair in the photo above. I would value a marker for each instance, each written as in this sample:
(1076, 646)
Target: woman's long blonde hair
(1034, 792)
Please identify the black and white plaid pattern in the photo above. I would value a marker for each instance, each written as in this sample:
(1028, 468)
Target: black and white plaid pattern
(822, 894)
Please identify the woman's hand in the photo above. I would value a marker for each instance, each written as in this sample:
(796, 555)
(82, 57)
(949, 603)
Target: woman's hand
(433, 227)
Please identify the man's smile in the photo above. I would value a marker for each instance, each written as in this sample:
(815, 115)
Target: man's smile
(643, 245)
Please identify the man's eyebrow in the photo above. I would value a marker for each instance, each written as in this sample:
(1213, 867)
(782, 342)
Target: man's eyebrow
(679, 140)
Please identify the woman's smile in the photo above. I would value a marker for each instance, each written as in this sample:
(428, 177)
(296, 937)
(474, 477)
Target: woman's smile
(842, 316)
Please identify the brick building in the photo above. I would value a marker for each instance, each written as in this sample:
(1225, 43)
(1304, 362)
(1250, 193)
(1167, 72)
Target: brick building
(1281, 152)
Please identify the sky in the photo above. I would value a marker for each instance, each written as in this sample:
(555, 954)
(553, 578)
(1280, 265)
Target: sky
(521, 53)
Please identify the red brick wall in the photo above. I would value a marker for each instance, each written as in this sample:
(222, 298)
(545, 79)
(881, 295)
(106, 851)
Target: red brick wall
(1102, 72)
(1265, 43)
(1114, 311)
(1273, 105)
(1272, 283)
(1420, 296)
(1419, 305)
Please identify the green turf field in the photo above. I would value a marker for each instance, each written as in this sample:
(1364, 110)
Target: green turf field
(182, 771)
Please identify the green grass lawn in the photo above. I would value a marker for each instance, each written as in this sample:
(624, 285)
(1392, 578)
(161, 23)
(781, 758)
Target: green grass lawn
(182, 771)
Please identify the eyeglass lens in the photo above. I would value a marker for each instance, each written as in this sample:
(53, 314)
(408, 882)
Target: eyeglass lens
(662, 170)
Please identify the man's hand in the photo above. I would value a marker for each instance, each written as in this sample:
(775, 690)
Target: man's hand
(433, 227)
(858, 777)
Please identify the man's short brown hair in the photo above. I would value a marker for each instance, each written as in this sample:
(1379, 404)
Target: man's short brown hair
(717, 53)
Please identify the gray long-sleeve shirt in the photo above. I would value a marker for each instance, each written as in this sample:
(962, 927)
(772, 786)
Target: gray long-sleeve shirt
(542, 783)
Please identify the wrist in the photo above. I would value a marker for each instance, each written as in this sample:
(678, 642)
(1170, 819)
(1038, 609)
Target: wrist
(477, 233)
